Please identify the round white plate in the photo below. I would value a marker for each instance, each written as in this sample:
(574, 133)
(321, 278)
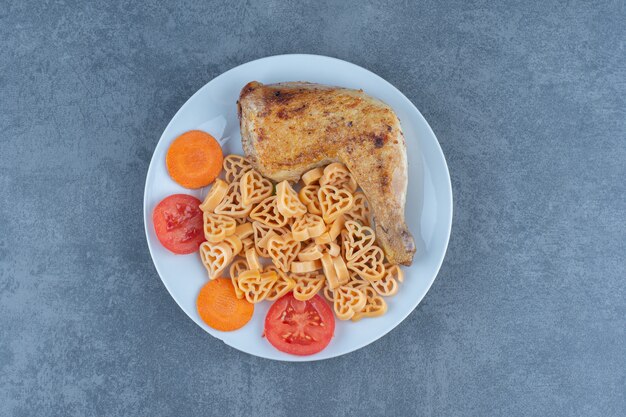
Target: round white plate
(428, 210)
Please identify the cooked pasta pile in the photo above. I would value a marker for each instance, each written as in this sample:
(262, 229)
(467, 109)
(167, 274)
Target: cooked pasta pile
(317, 239)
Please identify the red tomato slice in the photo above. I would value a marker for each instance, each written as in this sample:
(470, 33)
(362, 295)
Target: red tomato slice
(178, 223)
(299, 327)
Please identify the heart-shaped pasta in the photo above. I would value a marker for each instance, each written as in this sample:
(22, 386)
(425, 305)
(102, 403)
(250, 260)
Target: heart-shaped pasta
(308, 197)
(312, 176)
(396, 271)
(368, 264)
(234, 167)
(307, 285)
(266, 212)
(283, 250)
(303, 267)
(215, 196)
(217, 227)
(262, 234)
(308, 226)
(360, 210)
(323, 239)
(334, 202)
(310, 253)
(375, 305)
(358, 284)
(357, 239)
(388, 284)
(232, 204)
(255, 285)
(237, 268)
(254, 187)
(234, 243)
(282, 286)
(253, 259)
(319, 239)
(330, 248)
(288, 203)
(260, 231)
(343, 276)
(244, 230)
(356, 281)
(338, 175)
(347, 302)
(330, 271)
(248, 243)
(335, 228)
(215, 257)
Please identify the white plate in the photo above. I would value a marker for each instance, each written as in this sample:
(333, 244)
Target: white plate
(428, 210)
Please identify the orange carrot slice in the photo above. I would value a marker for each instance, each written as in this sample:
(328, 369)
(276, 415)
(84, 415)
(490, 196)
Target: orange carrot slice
(194, 159)
(220, 308)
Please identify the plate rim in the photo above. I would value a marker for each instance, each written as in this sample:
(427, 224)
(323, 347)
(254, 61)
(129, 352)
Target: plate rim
(448, 193)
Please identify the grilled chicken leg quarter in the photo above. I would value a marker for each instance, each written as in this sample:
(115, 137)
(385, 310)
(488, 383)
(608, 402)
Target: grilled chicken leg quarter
(289, 128)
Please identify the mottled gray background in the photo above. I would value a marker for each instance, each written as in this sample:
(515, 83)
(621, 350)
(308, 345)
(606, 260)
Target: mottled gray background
(528, 313)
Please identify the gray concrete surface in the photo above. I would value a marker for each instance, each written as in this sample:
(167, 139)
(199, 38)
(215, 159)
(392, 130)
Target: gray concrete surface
(527, 316)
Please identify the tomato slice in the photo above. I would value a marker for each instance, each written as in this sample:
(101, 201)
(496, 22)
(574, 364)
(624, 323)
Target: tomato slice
(299, 327)
(178, 223)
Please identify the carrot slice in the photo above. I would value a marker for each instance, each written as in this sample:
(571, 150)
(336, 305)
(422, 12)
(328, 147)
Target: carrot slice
(220, 308)
(194, 159)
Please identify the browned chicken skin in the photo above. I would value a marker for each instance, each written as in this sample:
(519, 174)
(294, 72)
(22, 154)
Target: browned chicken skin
(289, 128)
